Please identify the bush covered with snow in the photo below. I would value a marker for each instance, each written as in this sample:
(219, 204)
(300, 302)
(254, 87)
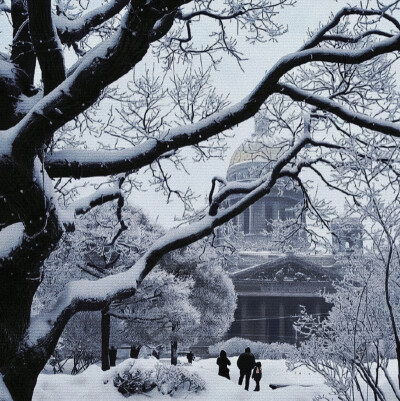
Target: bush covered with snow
(142, 375)
(276, 351)
(237, 345)
(135, 376)
(133, 382)
(172, 378)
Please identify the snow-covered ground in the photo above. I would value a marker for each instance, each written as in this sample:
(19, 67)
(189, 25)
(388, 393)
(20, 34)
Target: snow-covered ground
(95, 385)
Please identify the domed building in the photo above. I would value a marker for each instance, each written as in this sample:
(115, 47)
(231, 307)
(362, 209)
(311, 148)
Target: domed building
(250, 161)
(272, 284)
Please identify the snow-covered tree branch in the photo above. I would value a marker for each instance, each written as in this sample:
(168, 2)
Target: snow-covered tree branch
(52, 132)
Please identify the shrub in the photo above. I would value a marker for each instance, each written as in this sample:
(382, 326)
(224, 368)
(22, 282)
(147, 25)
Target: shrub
(134, 381)
(140, 377)
(276, 351)
(172, 378)
(236, 345)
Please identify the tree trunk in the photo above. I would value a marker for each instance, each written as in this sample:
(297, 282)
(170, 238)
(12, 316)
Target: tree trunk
(105, 340)
(174, 353)
(398, 362)
(22, 52)
(19, 368)
(21, 381)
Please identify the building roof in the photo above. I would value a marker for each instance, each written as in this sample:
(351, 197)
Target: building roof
(254, 151)
(288, 267)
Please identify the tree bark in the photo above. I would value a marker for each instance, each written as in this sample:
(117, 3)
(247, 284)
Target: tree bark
(105, 340)
(46, 45)
(15, 305)
(174, 352)
(22, 52)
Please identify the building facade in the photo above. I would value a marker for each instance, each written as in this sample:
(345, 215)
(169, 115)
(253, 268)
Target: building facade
(272, 284)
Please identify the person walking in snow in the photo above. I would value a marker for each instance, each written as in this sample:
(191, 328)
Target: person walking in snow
(112, 354)
(190, 356)
(246, 363)
(257, 374)
(223, 362)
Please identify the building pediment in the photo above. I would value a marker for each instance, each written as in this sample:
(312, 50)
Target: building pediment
(288, 268)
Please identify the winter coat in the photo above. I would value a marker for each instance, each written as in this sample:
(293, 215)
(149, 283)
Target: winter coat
(223, 366)
(190, 356)
(246, 362)
(257, 374)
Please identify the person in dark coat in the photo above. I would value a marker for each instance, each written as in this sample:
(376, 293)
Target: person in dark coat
(257, 374)
(112, 354)
(190, 356)
(246, 363)
(223, 362)
(134, 353)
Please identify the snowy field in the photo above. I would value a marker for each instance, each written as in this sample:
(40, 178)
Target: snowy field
(95, 385)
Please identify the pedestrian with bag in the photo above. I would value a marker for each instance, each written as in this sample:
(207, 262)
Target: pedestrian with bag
(257, 374)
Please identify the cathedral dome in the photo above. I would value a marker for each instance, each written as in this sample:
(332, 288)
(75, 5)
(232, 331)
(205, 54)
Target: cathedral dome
(251, 160)
(252, 151)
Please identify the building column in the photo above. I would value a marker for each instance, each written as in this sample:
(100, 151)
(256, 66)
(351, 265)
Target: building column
(282, 212)
(251, 216)
(281, 320)
(274, 208)
(267, 320)
(246, 221)
(243, 315)
(318, 308)
(263, 332)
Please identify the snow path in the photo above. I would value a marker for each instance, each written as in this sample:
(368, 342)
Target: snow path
(219, 388)
(95, 385)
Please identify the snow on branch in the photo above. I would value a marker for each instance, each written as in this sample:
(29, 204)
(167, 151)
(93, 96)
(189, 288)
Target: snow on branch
(355, 39)
(94, 295)
(385, 127)
(346, 11)
(216, 179)
(87, 203)
(11, 238)
(99, 197)
(74, 30)
(106, 63)
(217, 16)
(6, 9)
(83, 163)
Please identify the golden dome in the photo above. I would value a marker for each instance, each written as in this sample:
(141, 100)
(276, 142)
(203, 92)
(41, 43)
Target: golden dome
(251, 151)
